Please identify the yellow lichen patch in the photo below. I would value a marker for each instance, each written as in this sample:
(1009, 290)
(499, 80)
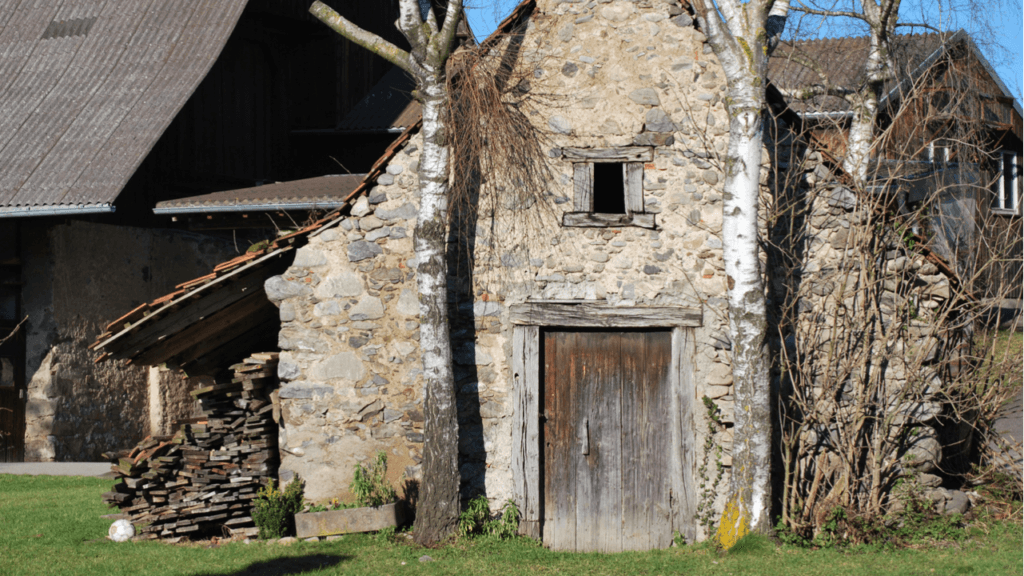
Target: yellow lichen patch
(734, 525)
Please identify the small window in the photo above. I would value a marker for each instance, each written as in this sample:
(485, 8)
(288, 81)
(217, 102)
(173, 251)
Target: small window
(938, 152)
(608, 187)
(1007, 197)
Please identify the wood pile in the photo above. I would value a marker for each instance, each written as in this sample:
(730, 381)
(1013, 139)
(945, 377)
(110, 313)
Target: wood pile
(202, 480)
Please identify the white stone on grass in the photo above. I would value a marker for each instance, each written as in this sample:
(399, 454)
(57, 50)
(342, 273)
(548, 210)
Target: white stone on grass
(121, 531)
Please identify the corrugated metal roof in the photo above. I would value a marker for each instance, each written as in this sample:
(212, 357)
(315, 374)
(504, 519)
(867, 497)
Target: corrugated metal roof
(321, 192)
(88, 86)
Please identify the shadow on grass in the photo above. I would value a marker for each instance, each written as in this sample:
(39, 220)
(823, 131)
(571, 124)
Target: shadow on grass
(289, 565)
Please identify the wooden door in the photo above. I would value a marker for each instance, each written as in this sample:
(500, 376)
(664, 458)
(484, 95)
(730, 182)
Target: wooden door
(606, 439)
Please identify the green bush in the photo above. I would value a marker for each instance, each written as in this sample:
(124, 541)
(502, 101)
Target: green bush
(370, 484)
(476, 519)
(273, 510)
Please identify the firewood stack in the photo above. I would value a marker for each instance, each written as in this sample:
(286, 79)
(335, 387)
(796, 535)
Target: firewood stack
(202, 480)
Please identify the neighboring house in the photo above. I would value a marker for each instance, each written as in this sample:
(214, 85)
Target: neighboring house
(953, 143)
(110, 108)
(588, 314)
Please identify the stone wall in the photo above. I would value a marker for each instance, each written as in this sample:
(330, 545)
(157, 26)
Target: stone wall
(78, 277)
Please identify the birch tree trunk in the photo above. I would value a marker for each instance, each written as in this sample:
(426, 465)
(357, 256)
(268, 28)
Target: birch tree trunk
(740, 35)
(881, 19)
(438, 508)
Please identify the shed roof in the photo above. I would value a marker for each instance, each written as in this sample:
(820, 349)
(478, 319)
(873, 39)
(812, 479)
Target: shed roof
(88, 86)
(322, 192)
(841, 62)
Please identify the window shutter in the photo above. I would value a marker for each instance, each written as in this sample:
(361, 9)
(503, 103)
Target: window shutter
(583, 183)
(634, 187)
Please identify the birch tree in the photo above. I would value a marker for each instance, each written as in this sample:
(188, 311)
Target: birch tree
(741, 35)
(431, 44)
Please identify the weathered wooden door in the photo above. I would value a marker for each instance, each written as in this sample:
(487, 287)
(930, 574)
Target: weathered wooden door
(606, 440)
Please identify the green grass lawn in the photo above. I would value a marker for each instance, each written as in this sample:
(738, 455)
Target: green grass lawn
(51, 525)
(1007, 346)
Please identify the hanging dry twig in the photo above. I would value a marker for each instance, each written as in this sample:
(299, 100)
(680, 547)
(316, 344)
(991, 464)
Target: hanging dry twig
(13, 331)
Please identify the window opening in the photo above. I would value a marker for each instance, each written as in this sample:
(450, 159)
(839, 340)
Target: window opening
(609, 195)
(938, 152)
(1007, 194)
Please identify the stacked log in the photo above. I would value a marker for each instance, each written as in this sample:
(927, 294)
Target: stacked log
(202, 480)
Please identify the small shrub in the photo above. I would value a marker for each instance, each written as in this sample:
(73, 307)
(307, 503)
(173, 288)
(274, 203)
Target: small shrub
(476, 519)
(473, 517)
(273, 510)
(370, 484)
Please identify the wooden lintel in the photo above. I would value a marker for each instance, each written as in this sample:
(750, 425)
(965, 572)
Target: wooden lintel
(591, 315)
(620, 154)
(594, 220)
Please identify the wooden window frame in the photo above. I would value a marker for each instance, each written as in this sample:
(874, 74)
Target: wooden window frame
(528, 320)
(632, 158)
(1000, 200)
(941, 146)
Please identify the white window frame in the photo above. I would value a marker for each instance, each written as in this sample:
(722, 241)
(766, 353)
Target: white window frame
(1001, 204)
(632, 159)
(941, 145)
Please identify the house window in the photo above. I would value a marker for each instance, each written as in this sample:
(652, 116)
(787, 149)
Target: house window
(608, 187)
(938, 152)
(1007, 197)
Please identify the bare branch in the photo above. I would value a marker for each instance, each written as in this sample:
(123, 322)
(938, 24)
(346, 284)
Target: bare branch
(918, 25)
(14, 331)
(368, 40)
(800, 7)
(448, 29)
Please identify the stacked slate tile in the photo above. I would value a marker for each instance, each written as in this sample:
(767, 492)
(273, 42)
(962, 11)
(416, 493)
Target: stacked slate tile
(202, 480)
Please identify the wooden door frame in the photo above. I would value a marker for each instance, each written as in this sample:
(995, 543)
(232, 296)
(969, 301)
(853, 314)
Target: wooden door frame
(527, 322)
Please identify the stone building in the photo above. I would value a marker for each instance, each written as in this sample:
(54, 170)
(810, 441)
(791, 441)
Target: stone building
(588, 315)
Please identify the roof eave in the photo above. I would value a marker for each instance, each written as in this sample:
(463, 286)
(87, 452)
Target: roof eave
(29, 211)
(255, 207)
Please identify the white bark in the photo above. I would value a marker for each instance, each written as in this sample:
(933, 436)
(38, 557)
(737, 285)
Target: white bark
(881, 17)
(738, 35)
(438, 511)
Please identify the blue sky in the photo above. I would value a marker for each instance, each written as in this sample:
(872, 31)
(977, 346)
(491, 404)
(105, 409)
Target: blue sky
(1006, 22)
